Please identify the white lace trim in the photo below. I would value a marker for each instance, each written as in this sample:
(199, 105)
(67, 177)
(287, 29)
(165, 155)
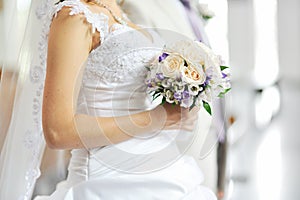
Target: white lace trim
(33, 138)
(99, 21)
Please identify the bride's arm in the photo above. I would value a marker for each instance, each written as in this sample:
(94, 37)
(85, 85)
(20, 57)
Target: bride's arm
(70, 41)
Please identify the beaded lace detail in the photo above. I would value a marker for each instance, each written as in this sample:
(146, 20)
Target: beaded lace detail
(99, 21)
(118, 61)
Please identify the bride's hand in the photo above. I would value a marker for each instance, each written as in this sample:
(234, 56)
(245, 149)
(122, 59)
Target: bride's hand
(176, 117)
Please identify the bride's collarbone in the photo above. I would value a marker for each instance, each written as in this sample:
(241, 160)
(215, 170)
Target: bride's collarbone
(96, 9)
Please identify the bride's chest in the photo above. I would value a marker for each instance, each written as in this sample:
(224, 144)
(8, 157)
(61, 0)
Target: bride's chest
(122, 57)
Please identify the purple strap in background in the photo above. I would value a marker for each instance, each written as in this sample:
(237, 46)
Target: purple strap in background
(195, 22)
(198, 28)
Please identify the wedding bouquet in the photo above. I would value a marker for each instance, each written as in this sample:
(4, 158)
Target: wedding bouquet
(189, 74)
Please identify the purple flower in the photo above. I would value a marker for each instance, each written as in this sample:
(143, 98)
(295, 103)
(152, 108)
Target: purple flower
(186, 94)
(160, 76)
(150, 83)
(209, 74)
(177, 96)
(208, 78)
(224, 75)
(163, 57)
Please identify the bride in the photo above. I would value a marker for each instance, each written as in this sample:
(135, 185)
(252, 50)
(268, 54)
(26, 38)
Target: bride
(94, 101)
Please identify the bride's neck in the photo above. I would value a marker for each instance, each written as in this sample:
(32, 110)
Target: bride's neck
(110, 3)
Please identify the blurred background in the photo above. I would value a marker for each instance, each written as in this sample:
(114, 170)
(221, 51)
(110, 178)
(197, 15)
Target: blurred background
(263, 142)
(260, 40)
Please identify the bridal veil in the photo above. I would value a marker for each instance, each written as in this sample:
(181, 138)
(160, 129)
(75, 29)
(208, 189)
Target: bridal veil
(24, 144)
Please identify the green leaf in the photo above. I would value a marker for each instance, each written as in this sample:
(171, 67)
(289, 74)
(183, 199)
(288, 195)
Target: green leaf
(155, 96)
(221, 95)
(163, 101)
(227, 90)
(207, 107)
(206, 17)
(223, 67)
(193, 105)
(156, 92)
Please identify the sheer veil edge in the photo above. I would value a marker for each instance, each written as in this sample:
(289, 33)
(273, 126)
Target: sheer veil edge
(23, 143)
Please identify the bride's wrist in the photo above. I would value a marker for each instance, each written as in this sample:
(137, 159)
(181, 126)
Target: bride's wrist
(158, 117)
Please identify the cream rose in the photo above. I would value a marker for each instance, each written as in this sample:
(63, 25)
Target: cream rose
(172, 66)
(193, 74)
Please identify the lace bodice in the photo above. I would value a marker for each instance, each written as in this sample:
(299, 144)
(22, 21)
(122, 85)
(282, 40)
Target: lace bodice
(112, 84)
(113, 79)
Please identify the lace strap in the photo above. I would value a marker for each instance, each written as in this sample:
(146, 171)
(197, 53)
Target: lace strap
(99, 21)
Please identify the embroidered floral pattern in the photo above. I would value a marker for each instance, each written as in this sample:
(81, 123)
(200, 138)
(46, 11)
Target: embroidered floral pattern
(116, 68)
(36, 74)
(99, 22)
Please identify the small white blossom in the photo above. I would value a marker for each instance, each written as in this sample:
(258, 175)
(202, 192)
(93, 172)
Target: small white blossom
(205, 11)
(170, 96)
(178, 86)
(166, 83)
(194, 89)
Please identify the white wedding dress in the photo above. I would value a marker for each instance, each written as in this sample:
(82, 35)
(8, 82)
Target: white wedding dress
(145, 168)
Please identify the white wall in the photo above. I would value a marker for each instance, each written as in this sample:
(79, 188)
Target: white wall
(217, 27)
(289, 39)
(241, 40)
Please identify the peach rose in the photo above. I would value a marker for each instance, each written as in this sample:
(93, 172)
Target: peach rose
(193, 74)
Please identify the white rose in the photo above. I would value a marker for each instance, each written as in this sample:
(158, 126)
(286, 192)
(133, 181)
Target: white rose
(194, 54)
(212, 62)
(179, 46)
(210, 59)
(172, 66)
